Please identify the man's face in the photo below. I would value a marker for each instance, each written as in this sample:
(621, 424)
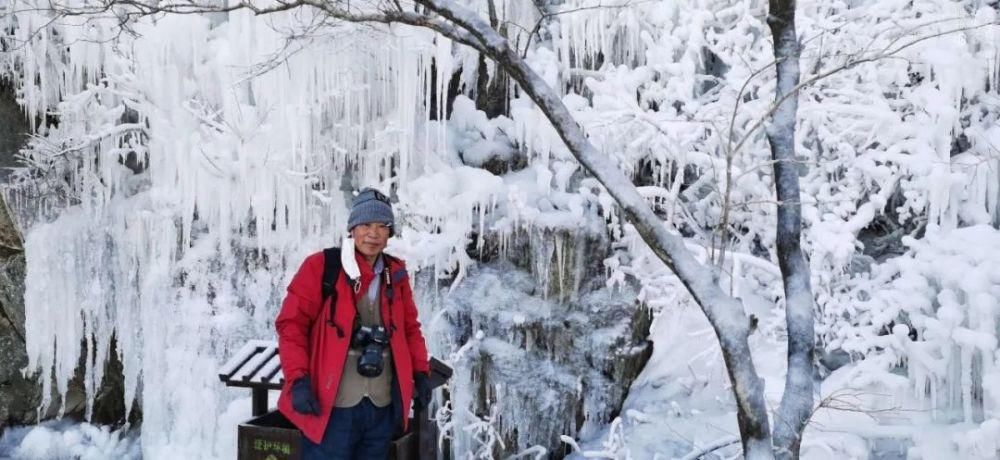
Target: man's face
(370, 239)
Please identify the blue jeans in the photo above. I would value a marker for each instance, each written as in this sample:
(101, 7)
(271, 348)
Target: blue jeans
(360, 432)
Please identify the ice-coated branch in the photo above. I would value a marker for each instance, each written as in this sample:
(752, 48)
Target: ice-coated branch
(714, 446)
(398, 15)
(143, 8)
(386, 14)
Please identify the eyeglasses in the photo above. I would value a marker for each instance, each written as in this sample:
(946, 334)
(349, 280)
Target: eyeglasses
(376, 227)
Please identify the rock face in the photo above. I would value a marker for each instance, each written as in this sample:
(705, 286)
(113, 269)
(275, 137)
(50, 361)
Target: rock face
(548, 351)
(13, 127)
(19, 396)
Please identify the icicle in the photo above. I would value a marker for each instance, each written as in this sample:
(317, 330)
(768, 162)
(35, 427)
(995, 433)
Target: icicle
(560, 264)
(966, 382)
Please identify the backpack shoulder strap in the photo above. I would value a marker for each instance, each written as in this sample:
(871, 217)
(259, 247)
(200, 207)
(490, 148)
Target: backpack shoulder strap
(331, 272)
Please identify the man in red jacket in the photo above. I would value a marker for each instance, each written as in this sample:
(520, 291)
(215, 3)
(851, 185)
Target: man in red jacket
(353, 365)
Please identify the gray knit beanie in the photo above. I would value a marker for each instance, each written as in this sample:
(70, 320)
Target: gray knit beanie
(371, 206)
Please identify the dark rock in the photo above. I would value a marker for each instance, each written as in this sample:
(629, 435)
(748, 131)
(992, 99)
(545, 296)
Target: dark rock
(889, 448)
(14, 127)
(109, 398)
(492, 93)
(11, 243)
(714, 66)
(500, 165)
(19, 396)
(832, 360)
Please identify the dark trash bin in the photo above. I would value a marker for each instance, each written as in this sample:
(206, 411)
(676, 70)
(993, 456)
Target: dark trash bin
(272, 437)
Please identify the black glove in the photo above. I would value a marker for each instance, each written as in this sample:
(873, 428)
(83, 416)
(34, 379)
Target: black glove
(303, 400)
(421, 392)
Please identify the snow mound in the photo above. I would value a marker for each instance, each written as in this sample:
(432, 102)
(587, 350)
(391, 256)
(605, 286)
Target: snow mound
(63, 440)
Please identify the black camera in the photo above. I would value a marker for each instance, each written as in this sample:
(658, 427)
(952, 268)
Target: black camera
(371, 340)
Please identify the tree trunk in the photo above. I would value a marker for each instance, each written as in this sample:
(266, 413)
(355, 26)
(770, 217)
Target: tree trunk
(797, 400)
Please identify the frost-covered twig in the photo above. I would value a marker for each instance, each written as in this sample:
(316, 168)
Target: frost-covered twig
(484, 431)
(533, 452)
(52, 150)
(614, 447)
(714, 446)
(884, 54)
(847, 400)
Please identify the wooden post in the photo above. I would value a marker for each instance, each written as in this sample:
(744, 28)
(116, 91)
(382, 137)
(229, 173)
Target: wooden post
(259, 398)
(427, 433)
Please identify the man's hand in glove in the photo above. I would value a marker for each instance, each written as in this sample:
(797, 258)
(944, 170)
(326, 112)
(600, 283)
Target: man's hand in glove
(303, 400)
(421, 392)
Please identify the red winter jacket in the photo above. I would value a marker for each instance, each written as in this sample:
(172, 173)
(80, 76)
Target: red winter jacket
(307, 345)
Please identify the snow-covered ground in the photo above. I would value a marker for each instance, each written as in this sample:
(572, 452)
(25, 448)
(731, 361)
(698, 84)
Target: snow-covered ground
(681, 405)
(68, 441)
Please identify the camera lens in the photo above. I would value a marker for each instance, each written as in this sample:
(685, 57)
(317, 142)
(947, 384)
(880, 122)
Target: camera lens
(370, 361)
(371, 340)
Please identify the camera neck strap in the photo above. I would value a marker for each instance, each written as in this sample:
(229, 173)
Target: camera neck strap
(390, 294)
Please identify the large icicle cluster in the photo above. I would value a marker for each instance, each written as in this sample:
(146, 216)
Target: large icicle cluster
(190, 168)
